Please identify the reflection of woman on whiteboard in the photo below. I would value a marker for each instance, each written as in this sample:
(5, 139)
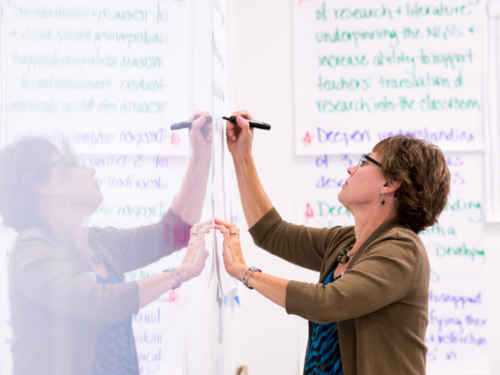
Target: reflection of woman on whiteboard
(70, 307)
(368, 313)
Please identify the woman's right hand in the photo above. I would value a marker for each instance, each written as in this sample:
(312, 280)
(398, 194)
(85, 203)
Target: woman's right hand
(234, 262)
(240, 136)
(194, 260)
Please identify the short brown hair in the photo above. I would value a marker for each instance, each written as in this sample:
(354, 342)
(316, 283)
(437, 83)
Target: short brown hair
(421, 168)
(23, 163)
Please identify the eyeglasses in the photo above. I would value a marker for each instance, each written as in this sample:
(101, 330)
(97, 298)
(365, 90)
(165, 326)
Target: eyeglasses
(65, 161)
(363, 160)
(57, 162)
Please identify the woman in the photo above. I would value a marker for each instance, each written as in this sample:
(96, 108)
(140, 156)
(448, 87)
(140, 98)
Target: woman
(70, 307)
(368, 313)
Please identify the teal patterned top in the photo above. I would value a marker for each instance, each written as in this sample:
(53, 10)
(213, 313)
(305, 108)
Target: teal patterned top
(323, 350)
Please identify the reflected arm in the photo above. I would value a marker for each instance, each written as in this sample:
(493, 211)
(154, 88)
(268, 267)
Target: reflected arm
(189, 201)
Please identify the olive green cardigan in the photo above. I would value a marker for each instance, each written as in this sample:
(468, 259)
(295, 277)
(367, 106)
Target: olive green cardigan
(381, 301)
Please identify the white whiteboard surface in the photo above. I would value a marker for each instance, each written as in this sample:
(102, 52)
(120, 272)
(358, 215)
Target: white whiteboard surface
(364, 71)
(110, 77)
(457, 334)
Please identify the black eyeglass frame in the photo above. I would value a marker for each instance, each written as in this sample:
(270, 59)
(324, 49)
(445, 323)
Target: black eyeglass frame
(370, 159)
(67, 158)
(57, 162)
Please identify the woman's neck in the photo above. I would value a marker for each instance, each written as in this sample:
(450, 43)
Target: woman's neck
(68, 222)
(367, 221)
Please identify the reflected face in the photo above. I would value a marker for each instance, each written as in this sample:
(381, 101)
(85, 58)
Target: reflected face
(74, 184)
(363, 186)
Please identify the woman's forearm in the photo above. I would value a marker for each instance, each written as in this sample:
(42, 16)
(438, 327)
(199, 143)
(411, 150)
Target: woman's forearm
(271, 287)
(151, 288)
(254, 199)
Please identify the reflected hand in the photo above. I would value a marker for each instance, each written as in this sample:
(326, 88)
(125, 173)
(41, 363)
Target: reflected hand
(240, 136)
(200, 134)
(194, 260)
(231, 249)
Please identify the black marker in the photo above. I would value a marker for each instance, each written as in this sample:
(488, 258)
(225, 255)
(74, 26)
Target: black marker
(187, 124)
(253, 123)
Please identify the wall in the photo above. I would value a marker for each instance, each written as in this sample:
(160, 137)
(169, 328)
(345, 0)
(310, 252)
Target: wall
(260, 49)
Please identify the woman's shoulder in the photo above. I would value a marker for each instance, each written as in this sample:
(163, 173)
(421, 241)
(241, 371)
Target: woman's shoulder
(102, 233)
(404, 234)
(401, 238)
(33, 243)
(340, 234)
(31, 236)
(400, 231)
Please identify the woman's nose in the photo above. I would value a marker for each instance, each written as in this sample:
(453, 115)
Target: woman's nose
(351, 170)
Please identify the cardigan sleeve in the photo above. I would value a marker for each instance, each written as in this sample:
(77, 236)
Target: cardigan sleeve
(298, 244)
(382, 276)
(135, 248)
(52, 278)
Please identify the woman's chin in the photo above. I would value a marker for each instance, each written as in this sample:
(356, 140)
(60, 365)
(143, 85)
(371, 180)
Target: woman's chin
(340, 196)
(92, 206)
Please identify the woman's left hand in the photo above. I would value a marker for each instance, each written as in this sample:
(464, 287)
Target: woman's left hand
(233, 256)
(196, 254)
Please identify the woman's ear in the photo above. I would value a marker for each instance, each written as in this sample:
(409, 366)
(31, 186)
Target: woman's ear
(42, 188)
(390, 187)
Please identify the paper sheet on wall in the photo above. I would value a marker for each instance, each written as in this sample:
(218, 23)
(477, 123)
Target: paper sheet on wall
(491, 77)
(364, 71)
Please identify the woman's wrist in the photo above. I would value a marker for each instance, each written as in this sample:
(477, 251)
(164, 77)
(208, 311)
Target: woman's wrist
(242, 158)
(176, 276)
(246, 277)
(239, 271)
(184, 272)
(201, 160)
(244, 165)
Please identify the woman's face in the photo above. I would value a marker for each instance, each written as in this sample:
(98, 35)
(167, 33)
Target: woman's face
(363, 187)
(73, 184)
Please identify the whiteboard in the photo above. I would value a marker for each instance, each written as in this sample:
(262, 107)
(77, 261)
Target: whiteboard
(365, 71)
(110, 77)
